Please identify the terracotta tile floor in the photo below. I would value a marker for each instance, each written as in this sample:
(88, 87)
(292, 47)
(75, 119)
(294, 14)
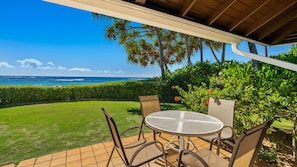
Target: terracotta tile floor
(97, 155)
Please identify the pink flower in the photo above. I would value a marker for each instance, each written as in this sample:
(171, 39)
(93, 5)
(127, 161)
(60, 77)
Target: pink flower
(205, 104)
(176, 99)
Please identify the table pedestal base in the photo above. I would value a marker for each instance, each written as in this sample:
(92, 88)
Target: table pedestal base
(180, 145)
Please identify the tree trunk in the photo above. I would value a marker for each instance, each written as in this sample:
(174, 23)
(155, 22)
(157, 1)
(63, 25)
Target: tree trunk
(214, 54)
(223, 53)
(167, 69)
(188, 50)
(201, 50)
(163, 75)
(266, 51)
(253, 49)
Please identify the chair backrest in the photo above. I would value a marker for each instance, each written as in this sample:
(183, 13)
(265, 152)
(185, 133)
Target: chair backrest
(149, 104)
(247, 146)
(222, 109)
(115, 134)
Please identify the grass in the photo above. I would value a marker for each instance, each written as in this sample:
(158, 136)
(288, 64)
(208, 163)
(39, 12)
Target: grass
(36, 130)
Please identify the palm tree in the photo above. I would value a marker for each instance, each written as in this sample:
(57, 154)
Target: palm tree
(145, 44)
(253, 49)
(213, 46)
(223, 53)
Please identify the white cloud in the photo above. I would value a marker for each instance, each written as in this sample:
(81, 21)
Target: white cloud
(46, 67)
(5, 64)
(80, 69)
(50, 63)
(112, 72)
(50, 66)
(61, 68)
(30, 63)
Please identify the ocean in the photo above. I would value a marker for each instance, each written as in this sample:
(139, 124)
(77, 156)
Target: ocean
(59, 81)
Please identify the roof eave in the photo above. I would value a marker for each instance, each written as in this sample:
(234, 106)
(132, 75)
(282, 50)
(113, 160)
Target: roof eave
(128, 11)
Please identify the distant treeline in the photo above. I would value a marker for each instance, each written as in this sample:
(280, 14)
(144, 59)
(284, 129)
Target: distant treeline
(129, 90)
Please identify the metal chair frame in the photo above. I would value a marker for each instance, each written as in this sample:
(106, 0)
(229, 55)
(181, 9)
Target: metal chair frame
(140, 149)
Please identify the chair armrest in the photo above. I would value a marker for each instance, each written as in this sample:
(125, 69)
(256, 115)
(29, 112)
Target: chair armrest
(232, 130)
(220, 139)
(129, 129)
(189, 152)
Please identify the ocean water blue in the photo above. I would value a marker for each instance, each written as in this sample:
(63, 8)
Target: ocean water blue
(59, 81)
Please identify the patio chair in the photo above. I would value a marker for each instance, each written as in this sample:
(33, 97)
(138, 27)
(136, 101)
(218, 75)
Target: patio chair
(224, 111)
(244, 152)
(148, 104)
(137, 153)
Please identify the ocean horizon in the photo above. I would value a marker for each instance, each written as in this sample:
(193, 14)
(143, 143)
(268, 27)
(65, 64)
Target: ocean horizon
(60, 80)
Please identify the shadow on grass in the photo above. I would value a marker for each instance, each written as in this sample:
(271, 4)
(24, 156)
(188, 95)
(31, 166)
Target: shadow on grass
(164, 106)
(168, 106)
(134, 110)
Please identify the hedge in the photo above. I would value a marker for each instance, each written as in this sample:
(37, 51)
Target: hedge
(129, 90)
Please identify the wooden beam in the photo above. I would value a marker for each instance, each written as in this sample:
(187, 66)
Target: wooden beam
(188, 4)
(219, 11)
(285, 31)
(246, 14)
(280, 23)
(140, 14)
(140, 2)
(283, 5)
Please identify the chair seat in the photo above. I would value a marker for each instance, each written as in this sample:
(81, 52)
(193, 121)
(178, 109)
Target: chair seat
(209, 137)
(212, 159)
(150, 152)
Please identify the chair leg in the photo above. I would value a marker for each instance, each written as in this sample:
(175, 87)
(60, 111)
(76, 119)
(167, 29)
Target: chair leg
(165, 162)
(139, 134)
(110, 156)
(218, 144)
(211, 143)
(140, 130)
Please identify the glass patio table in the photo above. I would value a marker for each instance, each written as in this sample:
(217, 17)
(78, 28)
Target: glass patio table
(183, 123)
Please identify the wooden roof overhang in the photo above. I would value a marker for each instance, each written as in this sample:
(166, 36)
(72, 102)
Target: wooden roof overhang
(265, 22)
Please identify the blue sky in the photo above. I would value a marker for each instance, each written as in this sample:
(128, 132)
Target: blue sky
(38, 38)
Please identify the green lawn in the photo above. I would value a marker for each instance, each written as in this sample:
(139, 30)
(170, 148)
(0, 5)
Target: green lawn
(35, 130)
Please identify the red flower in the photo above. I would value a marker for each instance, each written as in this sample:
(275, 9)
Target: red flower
(205, 104)
(172, 87)
(209, 91)
(176, 99)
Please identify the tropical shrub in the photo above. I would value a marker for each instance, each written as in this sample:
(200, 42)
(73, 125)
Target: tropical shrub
(195, 74)
(259, 95)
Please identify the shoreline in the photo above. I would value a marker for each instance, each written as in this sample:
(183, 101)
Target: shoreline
(61, 80)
